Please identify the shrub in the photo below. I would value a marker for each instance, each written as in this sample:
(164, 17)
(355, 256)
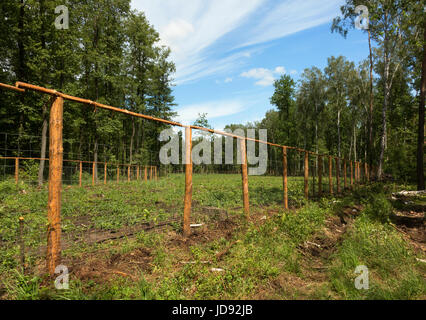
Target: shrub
(379, 208)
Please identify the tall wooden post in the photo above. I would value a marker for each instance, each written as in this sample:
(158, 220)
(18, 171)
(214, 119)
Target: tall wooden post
(118, 173)
(188, 183)
(137, 173)
(146, 174)
(93, 173)
(330, 174)
(53, 258)
(128, 173)
(338, 174)
(150, 172)
(244, 177)
(356, 173)
(352, 175)
(105, 173)
(345, 170)
(16, 170)
(306, 174)
(319, 175)
(359, 173)
(367, 172)
(285, 186)
(81, 173)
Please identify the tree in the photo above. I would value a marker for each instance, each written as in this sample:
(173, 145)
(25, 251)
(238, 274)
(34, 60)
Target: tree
(339, 73)
(283, 99)
(386, 29)
(312, 94)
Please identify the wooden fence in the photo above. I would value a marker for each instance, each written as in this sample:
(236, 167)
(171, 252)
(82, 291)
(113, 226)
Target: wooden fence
(56, 152)
(149, 172)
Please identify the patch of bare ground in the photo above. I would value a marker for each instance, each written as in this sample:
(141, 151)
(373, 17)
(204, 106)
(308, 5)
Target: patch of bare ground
(100, 266)
(411, 225)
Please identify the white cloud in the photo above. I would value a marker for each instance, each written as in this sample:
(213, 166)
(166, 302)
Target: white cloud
(228, 80)
(264, 76)
(289, 17)
(214, 109)
(192, 28)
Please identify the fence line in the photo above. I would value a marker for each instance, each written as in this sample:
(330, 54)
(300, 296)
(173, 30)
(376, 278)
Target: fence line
(55, 167)
(151, 176)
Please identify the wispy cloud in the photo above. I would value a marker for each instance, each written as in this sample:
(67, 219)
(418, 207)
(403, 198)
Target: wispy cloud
(264, 77)
(192, 28)
(288, 17)
(189, 27)
(214, 109)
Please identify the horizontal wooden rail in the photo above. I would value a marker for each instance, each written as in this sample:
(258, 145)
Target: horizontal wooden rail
(20, 86)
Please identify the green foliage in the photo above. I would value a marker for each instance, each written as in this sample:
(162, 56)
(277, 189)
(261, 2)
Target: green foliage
(300, 226)
(393, 271)
(7, 188)
(379, 208)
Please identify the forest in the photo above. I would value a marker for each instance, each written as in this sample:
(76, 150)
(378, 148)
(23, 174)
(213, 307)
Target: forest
(372, 111)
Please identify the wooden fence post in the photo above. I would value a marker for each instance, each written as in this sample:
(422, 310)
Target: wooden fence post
(357, 172)
(93, 173)
(81, 173)
(128, 173)
(16, 170)
(105, 173)
(146, 174)
(330, 175)
(338, 174)
(118, 173)
(188, 183)
(319, 175)
(53, 258)
(345, 168)
(352, 174)
(367, 172)
(285, 187)
(306, 174)
(22, 242)
(137, 173)
(244, 177)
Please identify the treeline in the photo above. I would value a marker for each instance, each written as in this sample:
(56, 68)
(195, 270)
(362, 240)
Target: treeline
(109, 53)
(371, 112)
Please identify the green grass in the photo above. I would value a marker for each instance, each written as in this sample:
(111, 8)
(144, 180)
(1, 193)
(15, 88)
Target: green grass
(260, 252)
(394, 271)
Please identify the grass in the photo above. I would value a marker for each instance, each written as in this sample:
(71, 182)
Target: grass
(260, 258)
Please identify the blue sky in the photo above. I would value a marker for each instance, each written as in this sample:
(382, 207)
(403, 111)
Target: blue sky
(229, 52)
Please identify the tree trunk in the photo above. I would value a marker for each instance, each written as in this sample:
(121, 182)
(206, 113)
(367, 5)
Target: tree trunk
(384, 122)
(421, 133)
(45, 106)
(338, 133)
(370, 116)
(355, 155)
(95, 158)
(131, 140)
(43, 145)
